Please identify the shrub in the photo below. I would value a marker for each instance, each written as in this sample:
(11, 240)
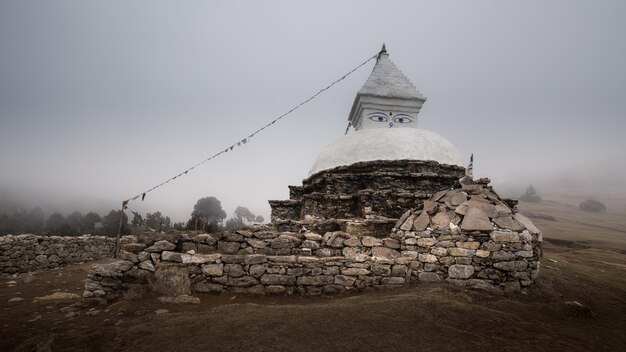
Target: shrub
(593, 206)
(530, 195)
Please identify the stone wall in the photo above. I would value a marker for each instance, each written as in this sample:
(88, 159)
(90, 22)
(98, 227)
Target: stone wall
(472, 237)
(343, 262)
(25, 253)
(384, 187)
(303, 239)
(468, 236)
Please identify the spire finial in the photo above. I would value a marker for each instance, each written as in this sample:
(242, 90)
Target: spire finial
(383, 51)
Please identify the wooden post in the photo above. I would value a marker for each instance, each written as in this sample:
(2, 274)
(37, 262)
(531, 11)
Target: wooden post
(119, 231)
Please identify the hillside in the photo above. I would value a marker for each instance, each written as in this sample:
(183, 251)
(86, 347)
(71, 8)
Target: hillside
(578, 304)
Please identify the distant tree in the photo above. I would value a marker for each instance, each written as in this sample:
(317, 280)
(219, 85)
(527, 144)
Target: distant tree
(209, 209)
(207, 215)
(242, 217)
(89, 221)
(20, 221)
(179, 226)
(196, 222)
(111, 221)
(138, 220)
(36, 220)
(167, 224)
(592, 205)
(14, 223)
(75, 221)
(23, 222)
(530, 195)
(158, 222)
(213, 227)
(259, 219)
(244, 214)
(4, 224)
(57, 225)
(65, 230)
(234, 223)
(54, 222)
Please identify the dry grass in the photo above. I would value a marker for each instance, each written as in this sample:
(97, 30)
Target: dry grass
(598, 230)
(590, 268)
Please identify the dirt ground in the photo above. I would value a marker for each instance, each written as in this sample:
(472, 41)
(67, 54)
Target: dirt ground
(584, 261)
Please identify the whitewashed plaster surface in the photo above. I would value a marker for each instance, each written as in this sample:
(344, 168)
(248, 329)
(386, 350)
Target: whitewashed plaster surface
(386, 80)
(387, 144)
(378, 118)
(387, 90)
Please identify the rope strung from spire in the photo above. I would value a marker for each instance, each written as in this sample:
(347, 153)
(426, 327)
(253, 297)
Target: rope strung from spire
(245, 140)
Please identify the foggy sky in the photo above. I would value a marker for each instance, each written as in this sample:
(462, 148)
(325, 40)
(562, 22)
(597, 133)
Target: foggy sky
(101, 100)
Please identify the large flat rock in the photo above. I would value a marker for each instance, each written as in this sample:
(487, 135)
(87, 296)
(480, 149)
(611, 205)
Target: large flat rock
(171, 280)
(476, 220)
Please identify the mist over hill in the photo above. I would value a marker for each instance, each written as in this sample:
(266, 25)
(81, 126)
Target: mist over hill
(604, 180)
(14, 200)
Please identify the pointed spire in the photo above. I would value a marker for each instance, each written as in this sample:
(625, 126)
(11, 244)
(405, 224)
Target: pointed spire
(386, 89)
(383, 51)
(387, 80)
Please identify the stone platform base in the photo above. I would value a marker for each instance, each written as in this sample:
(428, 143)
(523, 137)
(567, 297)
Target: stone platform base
(384, 188)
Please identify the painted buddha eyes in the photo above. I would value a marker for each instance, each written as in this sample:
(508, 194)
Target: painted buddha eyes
(382, 117)
(378, 117)
(402, 118)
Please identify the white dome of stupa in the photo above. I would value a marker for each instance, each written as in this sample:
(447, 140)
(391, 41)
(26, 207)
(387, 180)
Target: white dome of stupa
(387, 144)
(384, 116)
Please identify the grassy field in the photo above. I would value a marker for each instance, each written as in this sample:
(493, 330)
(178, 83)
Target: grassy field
(598, 230)
(584, 261)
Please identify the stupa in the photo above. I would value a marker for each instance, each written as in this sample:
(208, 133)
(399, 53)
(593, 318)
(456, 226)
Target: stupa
(384, 206)
(385, 119)
(385, 166)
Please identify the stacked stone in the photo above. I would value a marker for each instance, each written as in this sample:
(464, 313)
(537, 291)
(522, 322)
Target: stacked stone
(106, 279)
(469, 236)
(267, 240)
(26, 253)
(261, 274)
(472, 237)
(371, 225)
(137, 263)
(362, 262)
(386, 187)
